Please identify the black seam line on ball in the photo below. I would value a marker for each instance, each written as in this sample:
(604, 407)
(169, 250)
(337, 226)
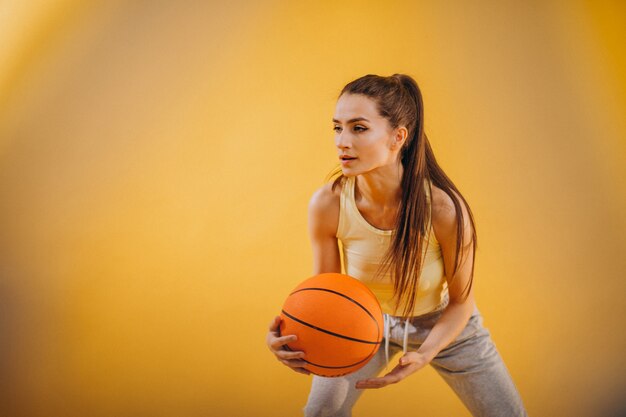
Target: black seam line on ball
(328, 331)
(335, 367)
(347, 298)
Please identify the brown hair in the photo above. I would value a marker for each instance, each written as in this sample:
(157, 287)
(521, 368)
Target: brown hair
(399, 100)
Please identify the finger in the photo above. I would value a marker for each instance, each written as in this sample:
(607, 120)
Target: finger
(371, 383)
(397, 375)
(381, 382)
(302, 371)
(390, 378)
(400, 372)
(294, 363)
(278, 342)
(287, 354)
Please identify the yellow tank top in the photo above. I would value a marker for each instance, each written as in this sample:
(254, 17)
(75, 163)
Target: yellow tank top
(364, 247)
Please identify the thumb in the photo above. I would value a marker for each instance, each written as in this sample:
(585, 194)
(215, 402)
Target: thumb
(407, 358)
(275, 324)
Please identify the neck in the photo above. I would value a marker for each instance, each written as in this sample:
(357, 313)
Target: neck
(382, 187)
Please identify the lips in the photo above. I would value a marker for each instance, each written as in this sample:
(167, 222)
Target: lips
(346, 160)
(346, 157)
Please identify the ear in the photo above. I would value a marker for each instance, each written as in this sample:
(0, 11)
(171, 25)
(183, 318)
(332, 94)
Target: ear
(399, 137)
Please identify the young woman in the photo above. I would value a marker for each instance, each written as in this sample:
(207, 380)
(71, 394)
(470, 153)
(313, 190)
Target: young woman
(405, 231)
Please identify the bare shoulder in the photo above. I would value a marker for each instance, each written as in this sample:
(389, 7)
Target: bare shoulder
(442, 205)
(325, 197)
(324, 209)
(444, 215)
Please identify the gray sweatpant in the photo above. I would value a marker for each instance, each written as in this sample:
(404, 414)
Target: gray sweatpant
(470, 365)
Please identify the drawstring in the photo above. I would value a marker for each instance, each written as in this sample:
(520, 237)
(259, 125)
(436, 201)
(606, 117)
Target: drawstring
(388, 331)
(386, 338)
(406, 335)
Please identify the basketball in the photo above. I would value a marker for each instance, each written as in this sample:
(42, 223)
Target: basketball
(338, 322)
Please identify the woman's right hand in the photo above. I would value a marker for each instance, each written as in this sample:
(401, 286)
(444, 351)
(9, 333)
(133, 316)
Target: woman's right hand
(275, 342)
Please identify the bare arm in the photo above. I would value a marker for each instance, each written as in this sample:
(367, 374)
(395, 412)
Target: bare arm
(457, 313)
(323, 220)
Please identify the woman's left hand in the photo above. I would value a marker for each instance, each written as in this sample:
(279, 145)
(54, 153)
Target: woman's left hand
(410, 362)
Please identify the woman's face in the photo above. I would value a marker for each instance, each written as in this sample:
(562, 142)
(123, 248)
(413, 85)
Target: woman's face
(364, 136)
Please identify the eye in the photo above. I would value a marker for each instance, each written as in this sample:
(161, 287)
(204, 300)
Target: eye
(356, 128)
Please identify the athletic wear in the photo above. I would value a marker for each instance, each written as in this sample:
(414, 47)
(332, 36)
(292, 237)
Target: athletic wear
(470, 365)
(365, 245)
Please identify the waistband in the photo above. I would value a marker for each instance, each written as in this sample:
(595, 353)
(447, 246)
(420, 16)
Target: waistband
(388, 318)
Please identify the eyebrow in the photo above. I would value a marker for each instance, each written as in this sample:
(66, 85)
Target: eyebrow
(356, 119)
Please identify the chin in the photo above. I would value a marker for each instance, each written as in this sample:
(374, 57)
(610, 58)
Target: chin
(353, 172)
(348, 172)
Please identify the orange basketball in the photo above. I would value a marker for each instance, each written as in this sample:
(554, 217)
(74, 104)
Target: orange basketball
(338, 321)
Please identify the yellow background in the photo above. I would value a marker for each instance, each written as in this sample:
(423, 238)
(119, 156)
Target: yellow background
(157, 158)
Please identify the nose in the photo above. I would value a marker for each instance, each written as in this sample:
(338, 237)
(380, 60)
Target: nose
(343, 140)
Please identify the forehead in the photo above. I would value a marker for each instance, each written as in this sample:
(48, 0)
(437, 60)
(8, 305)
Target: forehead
(350, 106)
